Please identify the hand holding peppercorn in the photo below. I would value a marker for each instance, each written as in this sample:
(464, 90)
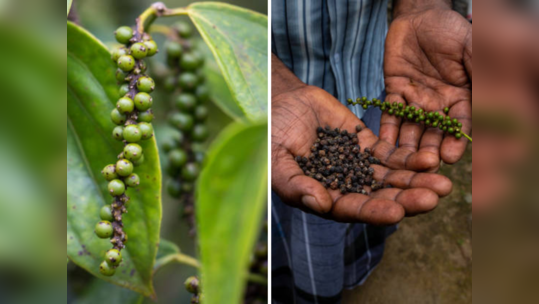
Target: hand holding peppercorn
(428, 64)
(296, 115)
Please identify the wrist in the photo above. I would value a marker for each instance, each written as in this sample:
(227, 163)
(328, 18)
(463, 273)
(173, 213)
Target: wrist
(407, 7)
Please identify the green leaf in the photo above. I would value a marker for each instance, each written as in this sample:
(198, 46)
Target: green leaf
(69, 3)
(218, 87)
(102, 292)
(92, 92)
(231, 200)
(238, 39)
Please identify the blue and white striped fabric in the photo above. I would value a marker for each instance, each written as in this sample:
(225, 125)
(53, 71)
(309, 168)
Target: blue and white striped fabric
(337, 45)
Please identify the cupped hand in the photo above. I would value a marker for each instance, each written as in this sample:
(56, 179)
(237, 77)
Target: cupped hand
(295, 117)
(428, 64)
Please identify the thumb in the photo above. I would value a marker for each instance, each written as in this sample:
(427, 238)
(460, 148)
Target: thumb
(298, 190)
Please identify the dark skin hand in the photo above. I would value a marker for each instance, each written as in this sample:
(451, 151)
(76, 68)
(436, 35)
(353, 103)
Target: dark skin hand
(297, 110)
(428, 64)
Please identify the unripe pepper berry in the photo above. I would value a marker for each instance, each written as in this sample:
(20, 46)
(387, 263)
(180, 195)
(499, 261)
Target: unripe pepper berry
(190, 172)
(146, 130)
(124, 167)
(174, 188)
(109, 172)
(118, 133)
(132, 134)
(151, 46)
(201, 113)
(126, 63)
(192, 285)
(116, 187)
(104, 229)
(106, 213)
(117, 117)
(139, 161)
(174, 49)
(184, 29)
(139, 50)
(106, 270)
(177, 158)
(200, 133)
(186, 102)
(202, 93)
(188, 81)
(117, 53)
(189, 62)
(125, 105)
(120, 75)
(113, 257)
(133, 152)
(124, 89)
(124, 34)
(132, 180)
(145, 84)
(143, 101)
(182, 121)
(146, 116)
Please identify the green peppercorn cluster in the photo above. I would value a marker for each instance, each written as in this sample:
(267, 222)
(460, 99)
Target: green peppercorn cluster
(133, 117)
(185, 155)
(432, 119)
(192, 284)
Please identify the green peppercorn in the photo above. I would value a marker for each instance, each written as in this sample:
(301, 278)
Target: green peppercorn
(132, 134)
(124, 89)
(430, 115)
(451, 130)
(109, 172)
(365, 106)
(106, 270)
(383, 107)
(202, 93)
(182, 121)
(151, 47)
(400, 114)
(391, 111)
(422, 117)
(188, 81)
(170, 83)
(168, 144)
(132, 152)
(125, 105)
(133, 180)
(116, 187)
(177, 158)
(192, 285)
(106, 213)
(174, 188)
(189, 62)
(458, 135)
(441, 126)
(124, 167)
(410, 116)
(124, 34)
(139, 50)
(446, 110)
(117, 53)
(145, 84)
(444, 128)
(455, 121)
(104, 229)
(117, 117)
(113, 257)
(126, 63)
(174, 49)
(146, 130)
(186, 102)
(377, 103)
(190, 172)
(200, 132)
(201, 113)
(184, 29)
(457, 130)
(120, 75)
(139, 161)
(459, 125)
(200, 157)
(118, 133)
(435, 124)
(146, 116)
(143, 101)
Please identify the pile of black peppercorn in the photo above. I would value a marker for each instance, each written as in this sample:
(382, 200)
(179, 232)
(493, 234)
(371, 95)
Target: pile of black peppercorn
(337, 162)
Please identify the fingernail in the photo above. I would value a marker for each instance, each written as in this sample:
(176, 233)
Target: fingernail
(311, 203)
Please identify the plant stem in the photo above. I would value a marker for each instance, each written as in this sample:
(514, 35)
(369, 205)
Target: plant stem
(467, 136)
(157, 9)
(190, 261)
(161, 29)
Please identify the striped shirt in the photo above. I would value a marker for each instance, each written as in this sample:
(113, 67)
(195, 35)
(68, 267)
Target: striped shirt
(336, 45)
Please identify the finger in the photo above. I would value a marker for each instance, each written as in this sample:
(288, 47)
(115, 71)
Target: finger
(430, 143)
(452, 148)
(297, 189)
(414, 201)
(390, 124)
(405, 179)
(410, 135)
(362, 208)
(401, 158)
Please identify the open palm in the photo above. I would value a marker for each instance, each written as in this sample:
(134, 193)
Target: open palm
(295, 117)
(428, 64)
